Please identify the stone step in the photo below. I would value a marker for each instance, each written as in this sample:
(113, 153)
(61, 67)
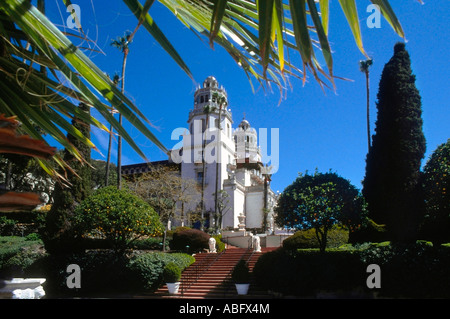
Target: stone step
(214, 282)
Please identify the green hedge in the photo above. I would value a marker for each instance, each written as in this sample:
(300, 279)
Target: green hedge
(409, 271)
(307, 271)
(308, 239)
(189, 240)
(103, 272)
(147, 269)
(18, 255)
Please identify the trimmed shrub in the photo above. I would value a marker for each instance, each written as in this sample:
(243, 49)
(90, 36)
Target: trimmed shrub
(302, 239)
(241, 273)
(103, 272)
(195, 239)
(171, 273)
(7, 226)
(436, 187)
(407, 271)
(308, 271)
(151, 243)
(18, 255)
(147, 269)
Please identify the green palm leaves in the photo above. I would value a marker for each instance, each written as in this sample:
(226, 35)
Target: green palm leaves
(42, 80)
(44, 75)
(266, 31)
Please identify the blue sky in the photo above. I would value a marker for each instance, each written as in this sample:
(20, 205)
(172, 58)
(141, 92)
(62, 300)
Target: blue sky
(317, 129)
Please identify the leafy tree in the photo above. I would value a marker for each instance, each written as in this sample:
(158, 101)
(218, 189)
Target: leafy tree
(116, 215)
(223, 207)
(190, 240)
(164, 189)
(320, 201)
(364, 67)
(436, 185)
(394, 160)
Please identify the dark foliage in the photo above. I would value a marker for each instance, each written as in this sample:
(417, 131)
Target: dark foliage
(190, 240)
(391, 184)
(57, 230)
(436, 185)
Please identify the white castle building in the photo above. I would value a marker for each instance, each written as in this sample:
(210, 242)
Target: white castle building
(229, 156)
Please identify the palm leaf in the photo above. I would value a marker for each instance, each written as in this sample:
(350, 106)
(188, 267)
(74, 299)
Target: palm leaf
(325, 14)
(349, 8)
(147, 21)
(265, 14)
(44, 34)
(216, 19)
(390, 16)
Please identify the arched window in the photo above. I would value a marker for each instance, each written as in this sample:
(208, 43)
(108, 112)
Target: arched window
(201, 99)
(228, 130)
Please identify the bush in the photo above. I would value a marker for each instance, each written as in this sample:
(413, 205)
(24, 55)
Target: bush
(308, 271)
(7, 226)
(417, 270)
(197, 240)
(116, 215)
(18, 255)
(103, 272)
(147, 269)
(171, 273)
(436, 186)
(302, 239)
(151, 243)
(241, 274)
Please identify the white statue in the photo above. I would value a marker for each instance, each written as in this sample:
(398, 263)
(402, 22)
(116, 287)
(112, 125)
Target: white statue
(212, 245)
(256, 244)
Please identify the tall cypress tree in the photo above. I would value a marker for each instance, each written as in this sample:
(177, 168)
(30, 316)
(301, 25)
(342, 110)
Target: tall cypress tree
(391, 184)
(65, 199)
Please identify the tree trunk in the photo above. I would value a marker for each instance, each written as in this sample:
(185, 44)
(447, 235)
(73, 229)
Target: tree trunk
(368, 108)
(119, 145)
(322, 238)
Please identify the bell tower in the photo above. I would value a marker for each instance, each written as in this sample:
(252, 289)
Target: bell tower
(209, 137)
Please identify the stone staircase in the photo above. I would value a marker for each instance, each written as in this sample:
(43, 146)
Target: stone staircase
(210, 276)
